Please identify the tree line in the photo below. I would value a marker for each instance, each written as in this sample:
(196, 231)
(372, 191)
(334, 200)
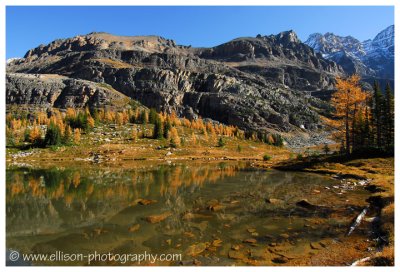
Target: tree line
(64, 127)
(363, 119)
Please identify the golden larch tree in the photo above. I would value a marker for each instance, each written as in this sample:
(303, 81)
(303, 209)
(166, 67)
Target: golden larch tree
(347, 101)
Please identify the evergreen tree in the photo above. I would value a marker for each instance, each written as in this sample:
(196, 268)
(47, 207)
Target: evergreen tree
(158, 128)
(67, 135)
(153, 116)
(167, 128)
(53, 135)
(358, 131)
(144, 117)
(377, 113)
(367, 124)
(389, 116)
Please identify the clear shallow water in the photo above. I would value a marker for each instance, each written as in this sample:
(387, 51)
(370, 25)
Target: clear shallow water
(210, 208)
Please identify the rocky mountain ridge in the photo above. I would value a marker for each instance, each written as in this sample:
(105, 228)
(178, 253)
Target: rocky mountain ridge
(260, 83)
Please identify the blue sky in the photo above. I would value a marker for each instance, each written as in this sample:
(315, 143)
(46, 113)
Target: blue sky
(28, 27)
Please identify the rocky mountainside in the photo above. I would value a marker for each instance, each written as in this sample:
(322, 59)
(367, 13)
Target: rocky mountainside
(259, 83)
(49, 90)
(373, 59)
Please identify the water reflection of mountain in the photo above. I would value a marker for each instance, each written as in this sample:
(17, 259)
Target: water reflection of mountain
(50, 200)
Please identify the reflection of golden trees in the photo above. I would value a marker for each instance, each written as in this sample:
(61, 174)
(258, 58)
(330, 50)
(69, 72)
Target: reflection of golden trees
(59, 192)
(68, 199)
(175, 180)
(76, 179)
(17, 186)
(36, 188)
(90, 189)
(144, 183)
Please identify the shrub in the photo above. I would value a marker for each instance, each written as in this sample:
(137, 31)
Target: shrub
(78, 121)
(278, 140)
(77, 136)
(267, 157)
(326, 149)
(53, 135)
(134, 134)
(221, 142)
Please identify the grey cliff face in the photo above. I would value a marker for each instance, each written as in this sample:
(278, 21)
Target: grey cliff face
(48, 91)
(260, 83)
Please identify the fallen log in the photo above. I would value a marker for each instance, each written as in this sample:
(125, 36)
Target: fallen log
(363, 260)
(357, 221)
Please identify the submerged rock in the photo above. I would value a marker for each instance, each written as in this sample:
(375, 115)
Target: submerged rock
(236, 255)
(196, 249)
(284, 236)
(316, 246)
(158, 218)
(250, 241)
(217, 242)
(146, 201)
(134, 228)
(235, 247)
(273, 201)
(215, 207)
(251, 230)
(307, 205)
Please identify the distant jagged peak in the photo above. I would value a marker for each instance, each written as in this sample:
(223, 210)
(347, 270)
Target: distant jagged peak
(372, 57)
(331, 43)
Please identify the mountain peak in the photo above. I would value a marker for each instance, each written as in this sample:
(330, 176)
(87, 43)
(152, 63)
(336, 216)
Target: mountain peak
(288, 37)
(332, 43)
(368, 58)
(385, 38)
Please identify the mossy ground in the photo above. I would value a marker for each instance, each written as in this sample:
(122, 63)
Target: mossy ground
(116, 144)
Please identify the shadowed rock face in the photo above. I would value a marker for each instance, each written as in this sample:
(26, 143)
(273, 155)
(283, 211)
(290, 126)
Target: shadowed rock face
(254, 83)
(49, 91)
